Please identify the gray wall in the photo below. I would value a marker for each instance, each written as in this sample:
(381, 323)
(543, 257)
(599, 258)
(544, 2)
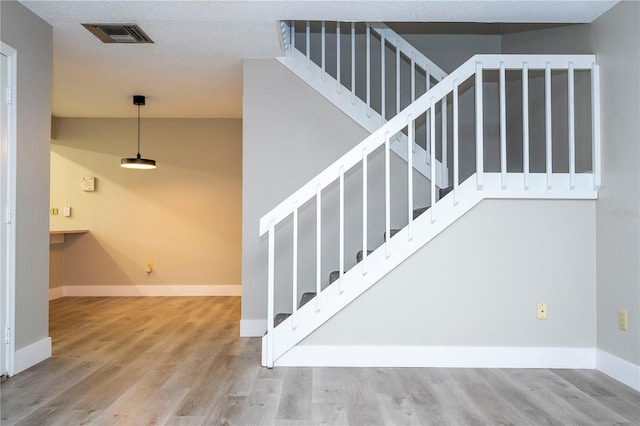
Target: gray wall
(290, 133)
(478, 283)
(616, 38)
(32, 38)
(449, 51)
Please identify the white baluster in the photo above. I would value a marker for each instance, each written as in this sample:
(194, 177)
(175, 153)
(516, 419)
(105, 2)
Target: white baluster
(318, 245)
(295, 267)
(323, 50)
(397, 76)
(340, 289)
(270, 292)
(525, 124)
(456, 166)
(595, 125)
(387, 193)
(353, 63)
(503, 127)
(308, 44)
(479, 128)
(427, 137)
(368, 41)
(444, 162)
(572, 126)
(292, 45)
(413, 78)
(338, 85)
(412, 147)
(432, 132)
(364, 211)
(547, 123)
(411, 128)
(383, 82)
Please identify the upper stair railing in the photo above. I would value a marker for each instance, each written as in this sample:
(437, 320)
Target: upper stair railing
(367, 70)
(512, 175)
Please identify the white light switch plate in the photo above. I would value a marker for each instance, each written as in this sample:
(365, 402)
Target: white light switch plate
(87, 183)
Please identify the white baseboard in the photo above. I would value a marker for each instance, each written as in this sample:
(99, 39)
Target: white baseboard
(145, 290)
(56, 293)
(253, 328)
(437, 356)
(31, 355)
(621, 370)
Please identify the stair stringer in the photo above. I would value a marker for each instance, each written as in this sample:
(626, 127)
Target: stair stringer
(357, 110)
(410, 239)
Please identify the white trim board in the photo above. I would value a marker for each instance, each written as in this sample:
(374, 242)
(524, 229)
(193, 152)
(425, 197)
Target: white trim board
(144, 290)
(9, 279)
(621, 370)
(31, 355)
(253, 328)
(437, 356)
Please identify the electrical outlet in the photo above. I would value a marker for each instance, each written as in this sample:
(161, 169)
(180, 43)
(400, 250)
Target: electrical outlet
(622, 319)
(149, 267)
(542, 311)
(66, 211)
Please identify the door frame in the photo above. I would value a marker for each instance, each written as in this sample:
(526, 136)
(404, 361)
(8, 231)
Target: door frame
(9, 208)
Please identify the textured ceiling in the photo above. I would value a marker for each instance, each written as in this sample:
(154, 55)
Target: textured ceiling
(194, 69)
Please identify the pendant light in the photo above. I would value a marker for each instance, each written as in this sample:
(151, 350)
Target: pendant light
(138, 162)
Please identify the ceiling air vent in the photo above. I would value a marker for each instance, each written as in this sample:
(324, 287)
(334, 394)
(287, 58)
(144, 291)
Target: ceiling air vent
(118, 33)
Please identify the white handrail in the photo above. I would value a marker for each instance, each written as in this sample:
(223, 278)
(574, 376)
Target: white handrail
(393, 39)
(419, 107)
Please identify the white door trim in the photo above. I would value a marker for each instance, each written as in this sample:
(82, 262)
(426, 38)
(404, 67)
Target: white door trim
(10, 277)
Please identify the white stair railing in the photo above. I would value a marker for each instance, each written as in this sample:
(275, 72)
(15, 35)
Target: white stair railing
(365, 100)
(488, 184)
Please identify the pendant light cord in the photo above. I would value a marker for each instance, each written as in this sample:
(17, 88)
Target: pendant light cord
(138, 130)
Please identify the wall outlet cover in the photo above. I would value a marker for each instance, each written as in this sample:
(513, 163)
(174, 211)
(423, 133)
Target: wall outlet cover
(542, 311)
(622, 320)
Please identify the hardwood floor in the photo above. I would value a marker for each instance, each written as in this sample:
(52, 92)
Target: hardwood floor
(179, 361)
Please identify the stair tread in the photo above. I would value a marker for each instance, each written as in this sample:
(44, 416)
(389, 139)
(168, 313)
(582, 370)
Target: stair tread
(444, 191)
(279, 318)
(359, 255)
(333, 276)
(306, 297)
(393, 232)
(417, 212)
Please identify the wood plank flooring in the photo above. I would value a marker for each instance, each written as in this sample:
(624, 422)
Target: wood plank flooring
(179, 361)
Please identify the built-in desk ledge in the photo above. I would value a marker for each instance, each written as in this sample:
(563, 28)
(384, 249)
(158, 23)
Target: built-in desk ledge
(57, 237)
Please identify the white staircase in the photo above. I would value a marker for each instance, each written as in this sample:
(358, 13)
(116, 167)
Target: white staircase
(365, 100)
(513, 176)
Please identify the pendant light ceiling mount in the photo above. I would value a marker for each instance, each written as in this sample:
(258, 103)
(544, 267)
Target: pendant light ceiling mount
(138, 162)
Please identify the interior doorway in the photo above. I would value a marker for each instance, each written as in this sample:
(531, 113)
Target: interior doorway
(7, 203)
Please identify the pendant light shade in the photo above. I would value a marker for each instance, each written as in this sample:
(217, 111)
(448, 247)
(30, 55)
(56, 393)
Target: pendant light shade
(138, 162)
